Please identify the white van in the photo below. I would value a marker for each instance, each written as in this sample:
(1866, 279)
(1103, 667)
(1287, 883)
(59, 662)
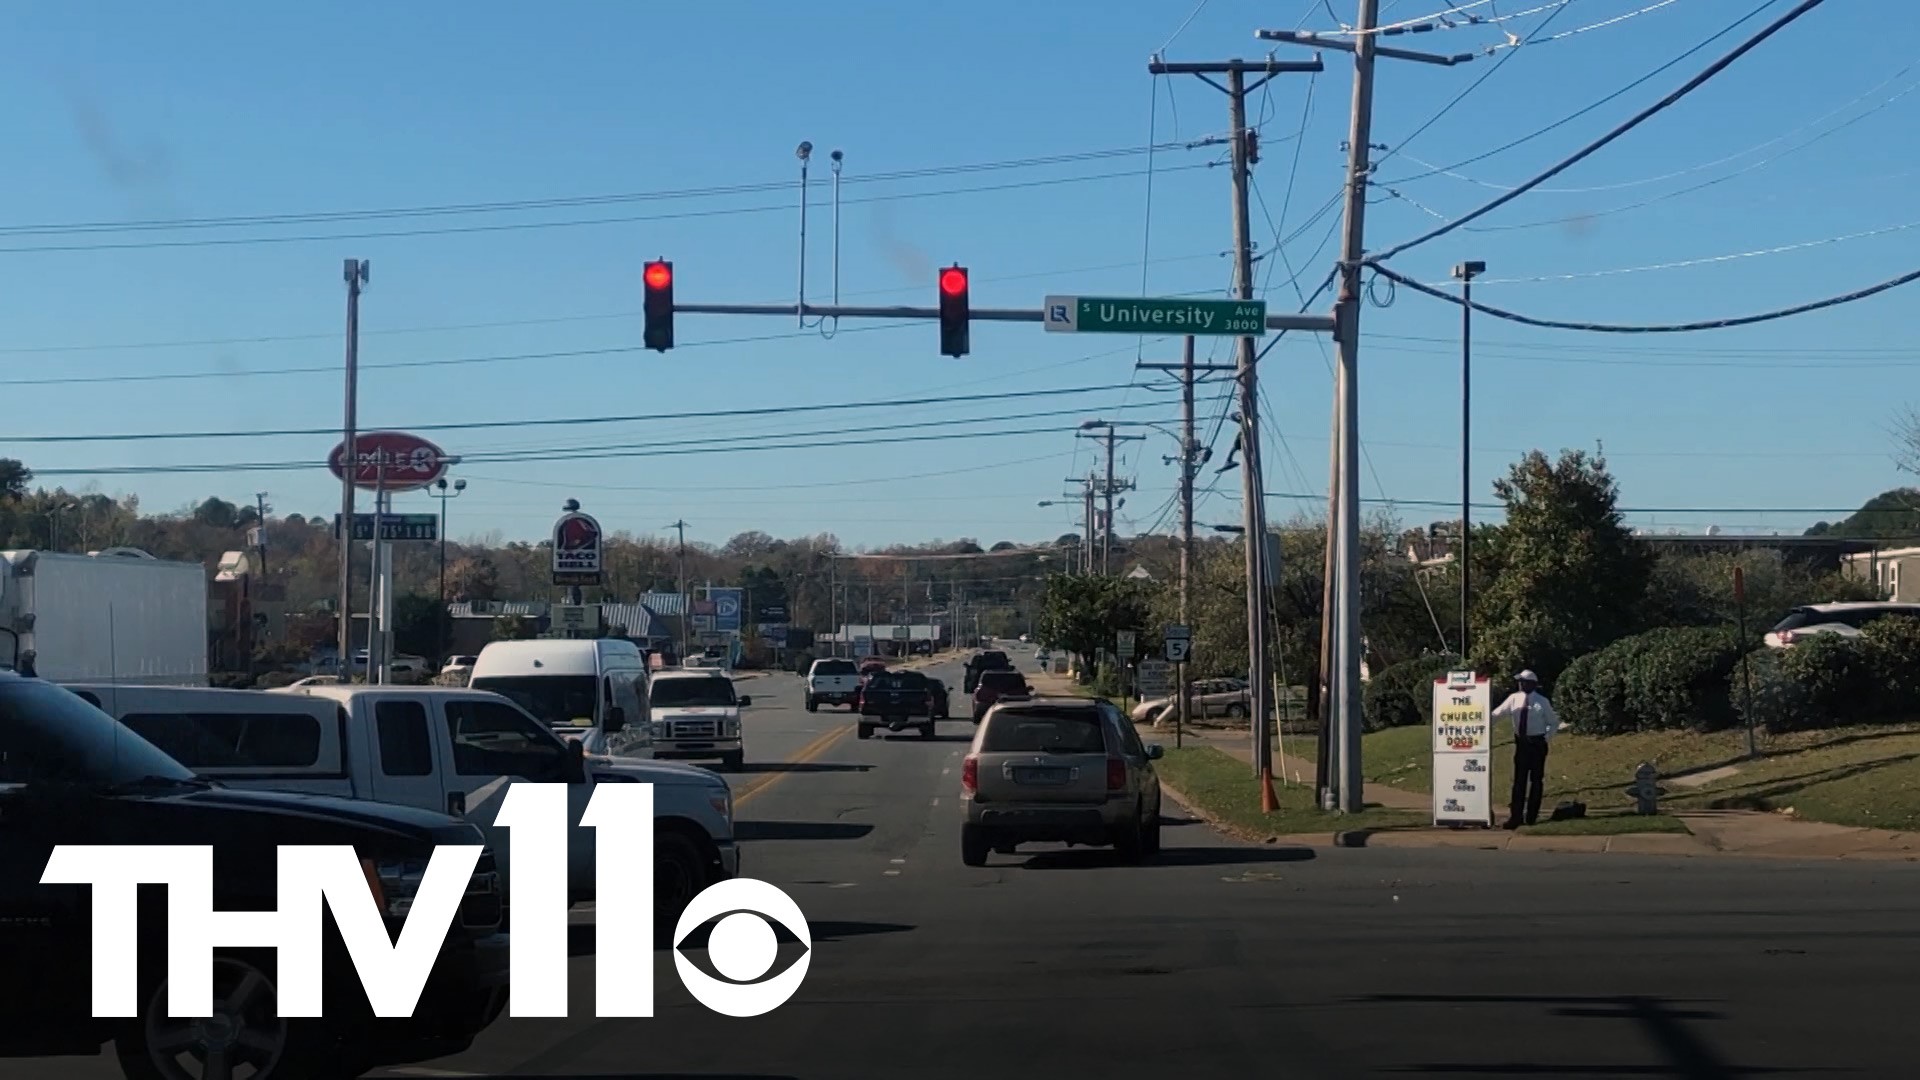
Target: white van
(594, 692)
(446, 749)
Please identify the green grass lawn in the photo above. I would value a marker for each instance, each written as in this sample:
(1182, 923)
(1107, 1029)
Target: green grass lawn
(1866, 776)
(1219, 786)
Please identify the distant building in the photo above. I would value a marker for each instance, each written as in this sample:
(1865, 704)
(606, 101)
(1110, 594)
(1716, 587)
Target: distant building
(1894, 571)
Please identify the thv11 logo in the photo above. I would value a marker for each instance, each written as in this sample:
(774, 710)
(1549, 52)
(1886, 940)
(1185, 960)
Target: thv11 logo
(393, 973)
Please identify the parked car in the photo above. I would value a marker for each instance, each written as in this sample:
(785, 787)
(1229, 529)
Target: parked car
(71, 774)
(998, 686)
(1065, 770)
(1845, 619)
(1207, 698)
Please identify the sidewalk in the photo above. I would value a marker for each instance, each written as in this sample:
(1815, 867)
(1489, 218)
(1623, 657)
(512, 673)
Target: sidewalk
(1713, 832)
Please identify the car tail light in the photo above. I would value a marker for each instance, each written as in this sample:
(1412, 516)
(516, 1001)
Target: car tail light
(1116, 775)
(1786, 637)
(970, 774)
(929, 701)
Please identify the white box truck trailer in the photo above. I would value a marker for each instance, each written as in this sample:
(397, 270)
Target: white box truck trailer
(118, 615)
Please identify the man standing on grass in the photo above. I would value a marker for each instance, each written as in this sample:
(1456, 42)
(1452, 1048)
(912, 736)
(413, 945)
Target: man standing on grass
(1534, 722)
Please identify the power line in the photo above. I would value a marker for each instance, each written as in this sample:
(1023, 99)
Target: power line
(1704, 260)
(569, 455)
(568, 202)
(1668, 328)
(1591, 106)
(708, 489)
(1454, 504)
(1595, 146)
(1715, 163)
(573, 421)
(625, 219)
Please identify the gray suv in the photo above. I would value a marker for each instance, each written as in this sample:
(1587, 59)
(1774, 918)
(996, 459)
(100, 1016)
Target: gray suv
(1062, 770)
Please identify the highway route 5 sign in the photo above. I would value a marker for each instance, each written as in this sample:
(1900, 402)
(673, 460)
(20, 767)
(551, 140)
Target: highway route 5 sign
(1179, 644)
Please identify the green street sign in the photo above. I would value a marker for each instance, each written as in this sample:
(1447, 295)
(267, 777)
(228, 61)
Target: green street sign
(393, 527)
(1150, 315)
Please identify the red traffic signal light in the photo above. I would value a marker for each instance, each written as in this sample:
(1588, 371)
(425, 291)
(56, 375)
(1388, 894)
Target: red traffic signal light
(955, 311)
(658, 278)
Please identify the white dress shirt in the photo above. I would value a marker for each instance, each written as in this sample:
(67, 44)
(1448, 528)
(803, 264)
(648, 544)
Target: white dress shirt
(1540, 719)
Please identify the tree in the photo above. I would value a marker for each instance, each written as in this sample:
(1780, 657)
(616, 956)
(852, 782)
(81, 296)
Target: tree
(14, 480)
(473, 577)
(416, 624)
(1889, 515)
(1573, 577)
(513, 628)
(217, 513)
(1083, 614)
(1004, 545)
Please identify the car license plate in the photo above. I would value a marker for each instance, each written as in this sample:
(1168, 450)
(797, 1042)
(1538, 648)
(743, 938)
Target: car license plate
(1039, 775)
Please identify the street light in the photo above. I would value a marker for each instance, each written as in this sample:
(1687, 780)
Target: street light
(1465, 272)
(445, 493)
(53, 522)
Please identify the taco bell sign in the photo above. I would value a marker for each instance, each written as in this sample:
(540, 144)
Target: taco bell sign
(576, 549)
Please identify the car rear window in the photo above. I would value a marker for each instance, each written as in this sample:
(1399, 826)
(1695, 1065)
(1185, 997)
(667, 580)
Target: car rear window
(1002, 681)
(1798, 618)
(897, 680)
(834, 667)
(1044, 731)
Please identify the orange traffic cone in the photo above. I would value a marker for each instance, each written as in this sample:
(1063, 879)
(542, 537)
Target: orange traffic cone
(1269, 801)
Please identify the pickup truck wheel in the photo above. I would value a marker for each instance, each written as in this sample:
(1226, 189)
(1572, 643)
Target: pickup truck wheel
(245, 1035)
(865, 731)
(735, 760)
(679, 873)
(974, 845)
(812, 705)
(926, 730)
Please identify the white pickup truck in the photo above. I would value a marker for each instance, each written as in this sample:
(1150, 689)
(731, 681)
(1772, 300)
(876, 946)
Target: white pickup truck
(833, 681)
(447, 749)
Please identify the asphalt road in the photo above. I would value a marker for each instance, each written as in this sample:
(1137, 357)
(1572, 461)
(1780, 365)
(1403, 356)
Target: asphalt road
(1219, 959)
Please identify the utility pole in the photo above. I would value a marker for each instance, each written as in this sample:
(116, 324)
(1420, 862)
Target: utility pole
(833, 600)
(356, 273)
(1109, 487)
(1252, 493)
(1323, 769)
(1190, 460)
(260, 517)
(1465, 272)
(1343, 537)
(1346, 336)
(686, 602)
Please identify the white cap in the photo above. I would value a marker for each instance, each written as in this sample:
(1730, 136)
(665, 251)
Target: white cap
(1527, 676)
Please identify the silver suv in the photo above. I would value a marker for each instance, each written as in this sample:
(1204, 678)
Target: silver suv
(1058, 769)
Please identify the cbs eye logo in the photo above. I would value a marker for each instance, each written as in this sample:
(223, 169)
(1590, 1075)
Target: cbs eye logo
(742, 947)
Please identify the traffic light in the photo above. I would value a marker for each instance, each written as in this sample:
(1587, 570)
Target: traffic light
(954, 311)
(658, 278)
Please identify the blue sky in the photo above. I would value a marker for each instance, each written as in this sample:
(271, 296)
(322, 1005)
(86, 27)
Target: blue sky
(129, 113)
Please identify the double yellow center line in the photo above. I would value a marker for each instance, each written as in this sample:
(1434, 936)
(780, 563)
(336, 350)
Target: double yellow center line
(807, 753)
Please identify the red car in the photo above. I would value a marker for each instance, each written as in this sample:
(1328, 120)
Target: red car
(998, 686)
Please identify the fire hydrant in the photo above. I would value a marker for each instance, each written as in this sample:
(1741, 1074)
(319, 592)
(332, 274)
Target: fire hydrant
(1646, 789)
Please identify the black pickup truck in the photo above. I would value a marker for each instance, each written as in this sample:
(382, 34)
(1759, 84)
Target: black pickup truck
(981, 663)
(897, 700)
(71, 774)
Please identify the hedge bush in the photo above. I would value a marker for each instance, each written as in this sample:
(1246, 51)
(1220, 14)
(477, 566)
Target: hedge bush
(1827, 680)
(1401, 695)
(1672, 677)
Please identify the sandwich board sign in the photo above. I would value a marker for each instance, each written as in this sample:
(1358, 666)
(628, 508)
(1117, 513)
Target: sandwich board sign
(1462, 749)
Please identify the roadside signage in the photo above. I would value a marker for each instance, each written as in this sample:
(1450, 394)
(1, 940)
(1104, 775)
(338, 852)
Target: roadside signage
(576, 618)
(774, 634)
(1154, 678)
(903, 633)
(1179, 644)
(393, 526)
(711, 640)
(772, 613)
(1148, 315)
(863, 646)
(1462, 749)
(726, 608)
(703, 623)
(391, 461)
(1123, 644)
(576, 549)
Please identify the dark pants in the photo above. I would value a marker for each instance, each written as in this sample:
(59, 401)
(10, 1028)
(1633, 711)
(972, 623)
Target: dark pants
(1529, 778)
